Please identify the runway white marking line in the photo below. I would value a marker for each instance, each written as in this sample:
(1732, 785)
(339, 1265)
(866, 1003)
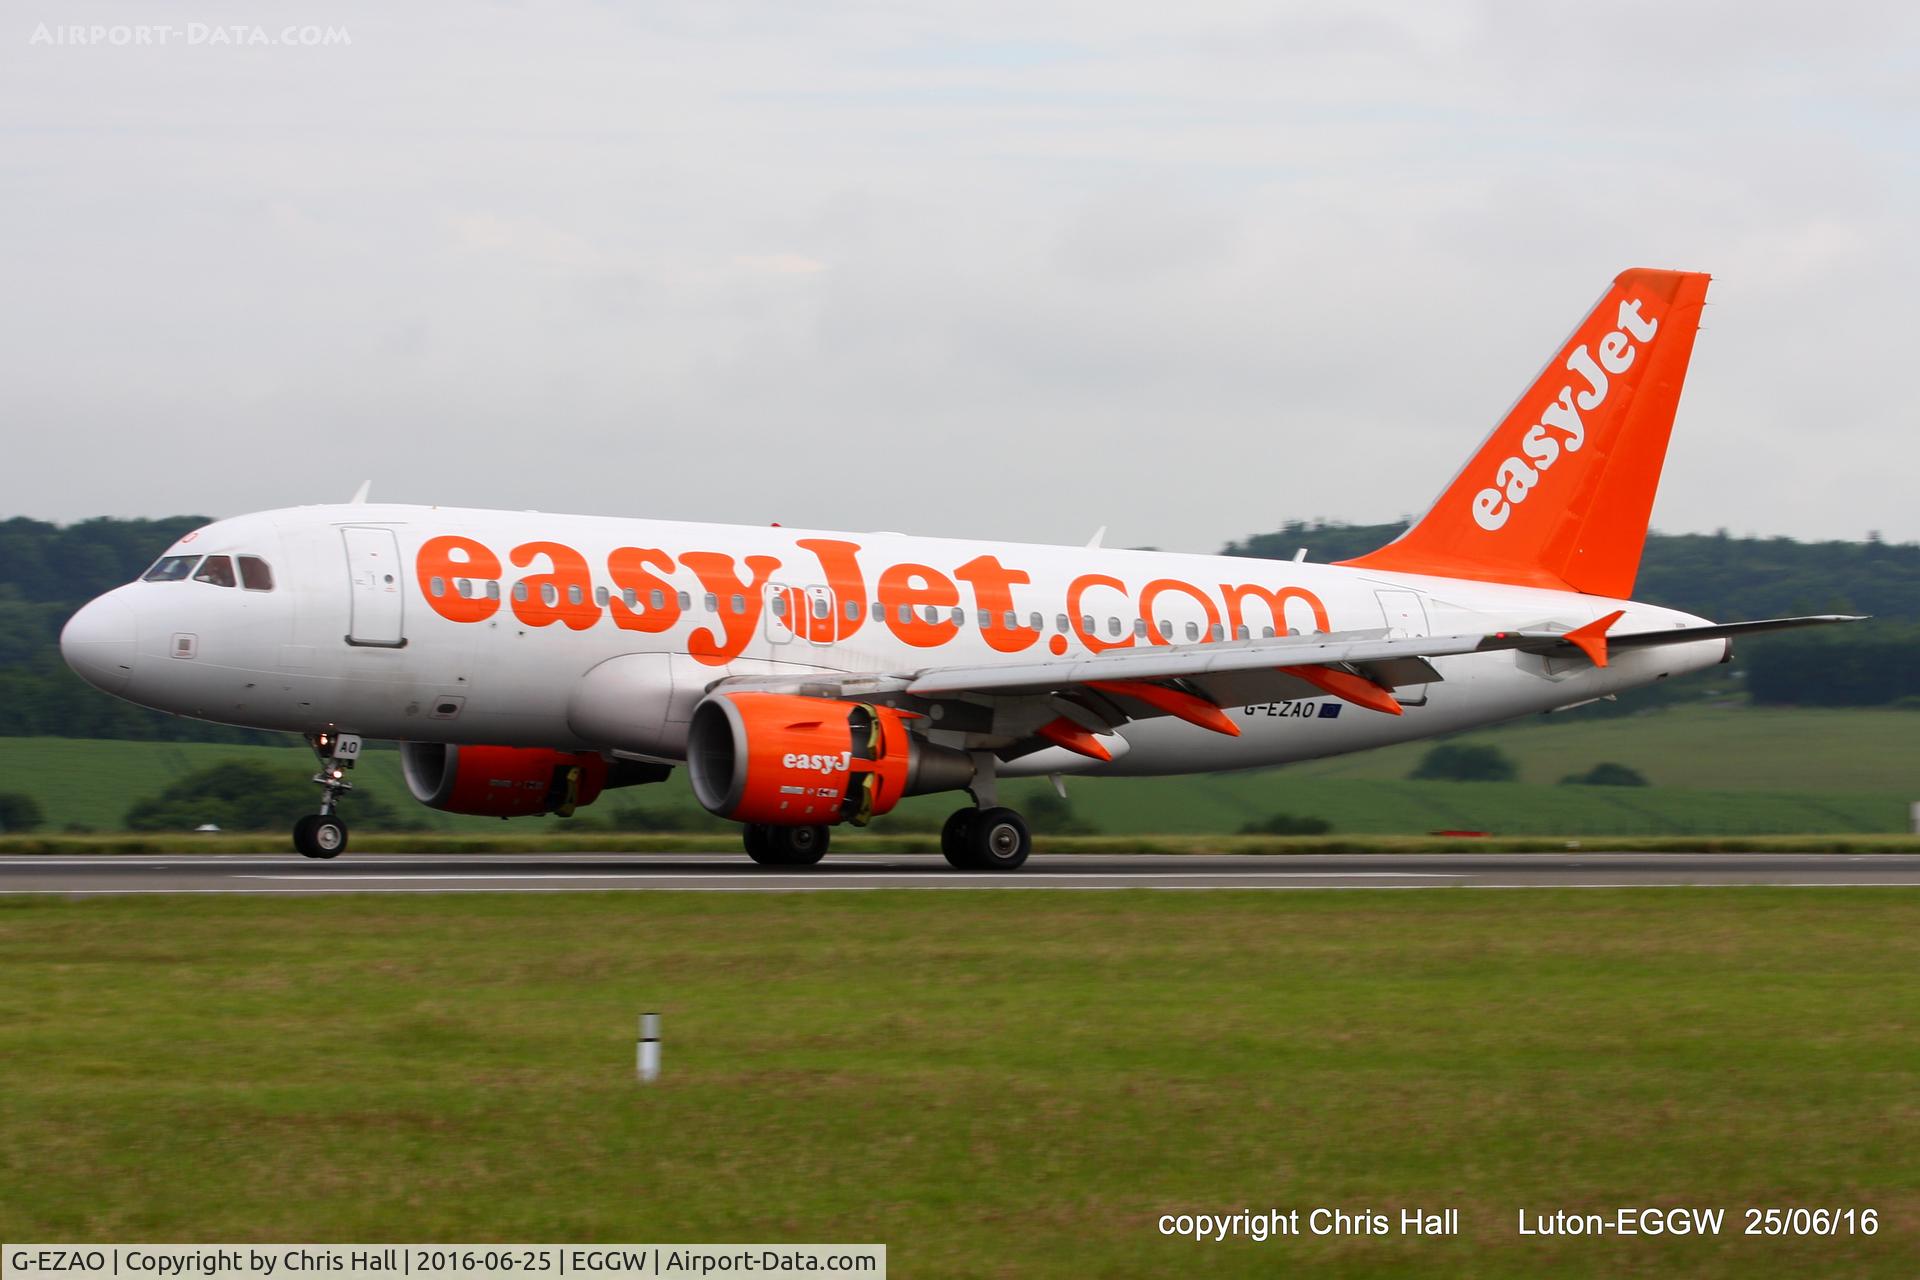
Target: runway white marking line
(350, 877)
(1037, 888)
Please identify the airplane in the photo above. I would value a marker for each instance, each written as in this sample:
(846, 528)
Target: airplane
(527, 663)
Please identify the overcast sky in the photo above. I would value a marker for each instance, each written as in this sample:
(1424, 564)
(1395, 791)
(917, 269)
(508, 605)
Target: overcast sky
(989, 269)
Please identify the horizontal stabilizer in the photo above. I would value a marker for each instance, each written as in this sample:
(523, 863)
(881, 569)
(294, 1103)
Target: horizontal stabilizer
(1585, 640)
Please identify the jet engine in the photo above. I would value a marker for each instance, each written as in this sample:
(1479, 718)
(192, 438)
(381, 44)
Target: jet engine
(785, 760)
(514, 782)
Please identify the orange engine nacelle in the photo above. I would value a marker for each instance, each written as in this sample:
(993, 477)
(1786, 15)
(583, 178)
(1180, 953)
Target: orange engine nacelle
(502, 782)
(791, 761)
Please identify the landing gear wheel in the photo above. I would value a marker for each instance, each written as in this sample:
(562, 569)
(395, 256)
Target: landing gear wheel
(998, 840)
(320, 835)
(757, 837)
(956, 839)
(799, 846)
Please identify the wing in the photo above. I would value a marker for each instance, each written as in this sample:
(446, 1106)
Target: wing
(1070, 702)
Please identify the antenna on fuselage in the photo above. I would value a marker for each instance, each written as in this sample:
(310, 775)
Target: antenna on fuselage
(360, 494)
(1099, 536)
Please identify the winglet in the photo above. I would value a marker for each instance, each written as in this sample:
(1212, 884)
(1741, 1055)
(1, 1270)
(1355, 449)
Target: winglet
(360, 495)
(1592, 638)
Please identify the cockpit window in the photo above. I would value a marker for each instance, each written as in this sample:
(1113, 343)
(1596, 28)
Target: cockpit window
(170, 569)
(216, 569)
(255, 575)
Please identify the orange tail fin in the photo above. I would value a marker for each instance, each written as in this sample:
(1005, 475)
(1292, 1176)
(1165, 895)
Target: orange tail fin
(1560, 494)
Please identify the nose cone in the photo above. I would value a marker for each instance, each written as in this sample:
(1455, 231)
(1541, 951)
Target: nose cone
(98, 643)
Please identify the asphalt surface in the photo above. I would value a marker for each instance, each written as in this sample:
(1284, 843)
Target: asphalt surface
(733, 873)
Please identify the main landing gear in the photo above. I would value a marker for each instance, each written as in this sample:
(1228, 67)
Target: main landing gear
(772, 846)
(992, 839)
(323, 834)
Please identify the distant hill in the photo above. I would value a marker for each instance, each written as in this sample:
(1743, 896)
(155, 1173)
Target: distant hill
(1716, 576)
(47, 571)
(1733, 579)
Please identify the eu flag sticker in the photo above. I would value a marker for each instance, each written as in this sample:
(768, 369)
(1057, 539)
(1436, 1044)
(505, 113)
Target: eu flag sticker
(1329, 710)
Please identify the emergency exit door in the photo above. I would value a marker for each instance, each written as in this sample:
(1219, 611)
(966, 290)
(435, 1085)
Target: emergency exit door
(373, 572)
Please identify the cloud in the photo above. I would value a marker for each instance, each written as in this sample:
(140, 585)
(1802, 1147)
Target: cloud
(1005, 270)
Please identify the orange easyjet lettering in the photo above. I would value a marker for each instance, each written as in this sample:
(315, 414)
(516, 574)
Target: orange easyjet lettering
(437, 563)
(1159, 587)
(656, 606)
(739, 603)
(917, 603)
(564, 595)
(917, 614)
(993, 585)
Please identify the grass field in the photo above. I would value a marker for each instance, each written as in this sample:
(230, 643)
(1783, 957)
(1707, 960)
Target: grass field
(1719, 771)
(992, 1084)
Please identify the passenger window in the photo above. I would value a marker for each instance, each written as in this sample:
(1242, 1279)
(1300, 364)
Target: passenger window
(1010, 620)
(600, 596)
(1140, 628)
(1193, 631)
(1239, 633)
(820, 607)
(658, 599)
(780, 605)
(254, 574)
(1166, 631)
(437, 586)
(685, 601)
(959, 617)
(853, 611)
(986, 620)
(1060, 624)
(1113, 626)
(739, 604)
(217, 570)
(906, 613)
(520, 591)
(712, 602)
(170, 569)
(573, 594)
(933, 614)
(1037, 622)
(1086, 623)
(550, 595)
(493, 590)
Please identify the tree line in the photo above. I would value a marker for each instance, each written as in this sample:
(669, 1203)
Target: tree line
(47, 571)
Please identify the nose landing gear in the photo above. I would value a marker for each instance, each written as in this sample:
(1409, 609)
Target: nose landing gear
(323, 834)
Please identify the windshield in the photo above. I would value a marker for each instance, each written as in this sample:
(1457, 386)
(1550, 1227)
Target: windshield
(218, 570)
(170, 569)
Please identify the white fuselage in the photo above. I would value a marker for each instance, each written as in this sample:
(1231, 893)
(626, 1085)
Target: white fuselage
(472, 626)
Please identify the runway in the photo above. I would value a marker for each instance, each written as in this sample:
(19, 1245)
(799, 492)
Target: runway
(733, 873)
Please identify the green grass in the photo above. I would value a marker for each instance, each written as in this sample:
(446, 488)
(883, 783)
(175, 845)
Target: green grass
(990, 1083)
(1717, 771)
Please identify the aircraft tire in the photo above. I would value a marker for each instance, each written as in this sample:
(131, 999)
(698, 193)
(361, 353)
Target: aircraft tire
(799, 846)
(319, 836)
(956, 844)
(758, 838)
(999, 840)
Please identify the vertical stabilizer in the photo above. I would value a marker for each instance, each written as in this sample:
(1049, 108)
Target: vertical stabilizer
(1560, 493)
